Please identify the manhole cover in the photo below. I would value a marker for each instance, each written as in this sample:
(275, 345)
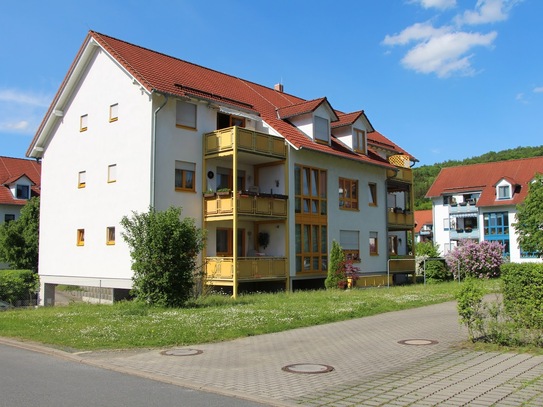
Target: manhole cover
(308, 368)
(181, 352)
(418, 342)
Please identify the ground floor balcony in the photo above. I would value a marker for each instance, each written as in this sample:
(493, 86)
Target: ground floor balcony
(221, 270)
(402, 265)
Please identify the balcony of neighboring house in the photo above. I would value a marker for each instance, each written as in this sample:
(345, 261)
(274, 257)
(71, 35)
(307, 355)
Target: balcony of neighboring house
(464, 225)
(245, 174)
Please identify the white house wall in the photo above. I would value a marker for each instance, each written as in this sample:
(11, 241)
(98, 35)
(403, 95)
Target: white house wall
(66, 208)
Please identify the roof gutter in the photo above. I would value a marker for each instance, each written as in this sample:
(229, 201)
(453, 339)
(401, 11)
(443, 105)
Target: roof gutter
(153, 148)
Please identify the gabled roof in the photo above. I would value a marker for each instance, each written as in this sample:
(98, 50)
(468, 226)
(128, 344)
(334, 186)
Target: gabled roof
(346, 119)
(298, 109)
(163, 74)
(423, 218)
(378, 141)
(13, 169)
(484, 177)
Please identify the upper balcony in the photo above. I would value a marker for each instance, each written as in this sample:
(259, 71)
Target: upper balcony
(225, 141)
(463, 207)
(400, 218)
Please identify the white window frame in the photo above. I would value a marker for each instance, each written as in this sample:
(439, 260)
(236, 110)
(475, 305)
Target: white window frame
(186, 115)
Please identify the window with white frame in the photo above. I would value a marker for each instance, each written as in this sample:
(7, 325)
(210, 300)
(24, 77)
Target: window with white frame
(82, 179)
(321, 129)
(114, 112)
(185, 115)
(349, 242)
(84, 122)
(112, 173)
(185, 176)
(504, 192)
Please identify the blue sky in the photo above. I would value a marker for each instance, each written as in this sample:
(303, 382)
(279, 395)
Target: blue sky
(445, 79)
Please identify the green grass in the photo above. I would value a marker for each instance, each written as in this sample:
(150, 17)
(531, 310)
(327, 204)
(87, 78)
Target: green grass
(210, 319)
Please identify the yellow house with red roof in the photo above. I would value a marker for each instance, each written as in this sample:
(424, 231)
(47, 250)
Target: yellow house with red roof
(273, 178)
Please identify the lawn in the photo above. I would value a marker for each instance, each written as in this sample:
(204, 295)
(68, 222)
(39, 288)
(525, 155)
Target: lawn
(213, 318)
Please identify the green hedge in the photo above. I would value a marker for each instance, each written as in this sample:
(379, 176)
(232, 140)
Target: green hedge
(17, 285)
(523, 293)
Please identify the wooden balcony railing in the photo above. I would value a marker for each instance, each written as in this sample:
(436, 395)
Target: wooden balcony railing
(257, 205)
(248, 268)
(396, 218)
(405, 264)
(224, 140)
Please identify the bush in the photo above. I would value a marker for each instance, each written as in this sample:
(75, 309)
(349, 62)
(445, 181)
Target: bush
(337, 258)
(479, 260)
(17, 285)
(471, 308)
(523, 293)
(437, 271)
(163, 249)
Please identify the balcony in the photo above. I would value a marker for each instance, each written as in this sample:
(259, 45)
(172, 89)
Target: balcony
(400, 218)
(225, 141)
(468, 233)
(463, 208)
(221, 269)
(401, 174)
(261, 205)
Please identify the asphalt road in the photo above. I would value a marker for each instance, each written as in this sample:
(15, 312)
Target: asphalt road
(34, 379)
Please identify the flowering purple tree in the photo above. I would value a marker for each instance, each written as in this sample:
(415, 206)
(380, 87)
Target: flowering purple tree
(472, 259)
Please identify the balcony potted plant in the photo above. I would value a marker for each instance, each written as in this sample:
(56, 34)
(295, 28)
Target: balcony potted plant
(209, 193)
(223, 191)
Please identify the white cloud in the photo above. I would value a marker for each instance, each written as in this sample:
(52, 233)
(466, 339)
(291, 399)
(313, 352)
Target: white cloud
(442, 51)
(439, 4)
(21, 126)
(521, 98)
(539, 89)
(487, 11)
(14, 96)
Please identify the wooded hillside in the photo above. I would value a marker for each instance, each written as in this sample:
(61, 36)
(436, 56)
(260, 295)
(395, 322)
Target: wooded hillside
(425, 175)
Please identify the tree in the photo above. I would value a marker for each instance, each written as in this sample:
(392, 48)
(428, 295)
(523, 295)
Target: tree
(164, 249)
(19, 238)
(335, 275)
(529, 223)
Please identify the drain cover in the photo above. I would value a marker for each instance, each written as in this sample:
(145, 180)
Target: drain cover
(308, 368)
(418, 342)
(181, 352)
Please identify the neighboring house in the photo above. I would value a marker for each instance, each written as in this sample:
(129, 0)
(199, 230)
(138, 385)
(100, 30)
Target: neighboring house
(131, 128)
(424, 226)
(479, 201)
(19, 181)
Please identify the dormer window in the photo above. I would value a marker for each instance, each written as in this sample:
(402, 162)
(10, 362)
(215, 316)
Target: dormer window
(504, 192)
(359, 140)
(321, 130)
(22, 191)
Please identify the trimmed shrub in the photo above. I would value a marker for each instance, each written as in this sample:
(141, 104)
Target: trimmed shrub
(17, 285)
(523, 293)
(436, 271)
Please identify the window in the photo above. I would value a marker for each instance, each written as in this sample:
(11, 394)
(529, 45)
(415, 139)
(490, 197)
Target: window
(348, 193)
(504, 192)
(496, 224)
(8, 217)
(225, 242)
(374, 247)
(22, 191)
(185, 115)
(225, 179)
(112, 173)
(372, 194)
(359, 141)
(82, 179)
(83, 123)
(110, 235)
(81, 237)
(184, 176)
(321, 130)
(393, 245)
(114, 112)
(348, 240)
(226, 120)
(311, 219)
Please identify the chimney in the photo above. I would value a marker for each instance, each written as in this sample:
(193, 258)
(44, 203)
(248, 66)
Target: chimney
(278, 87)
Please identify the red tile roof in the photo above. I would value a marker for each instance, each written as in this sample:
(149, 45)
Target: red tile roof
(168, 75)
(484, 177)
(11, 169)
(346, 119)
(423, 218)
(377, 140)
(299, 108)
